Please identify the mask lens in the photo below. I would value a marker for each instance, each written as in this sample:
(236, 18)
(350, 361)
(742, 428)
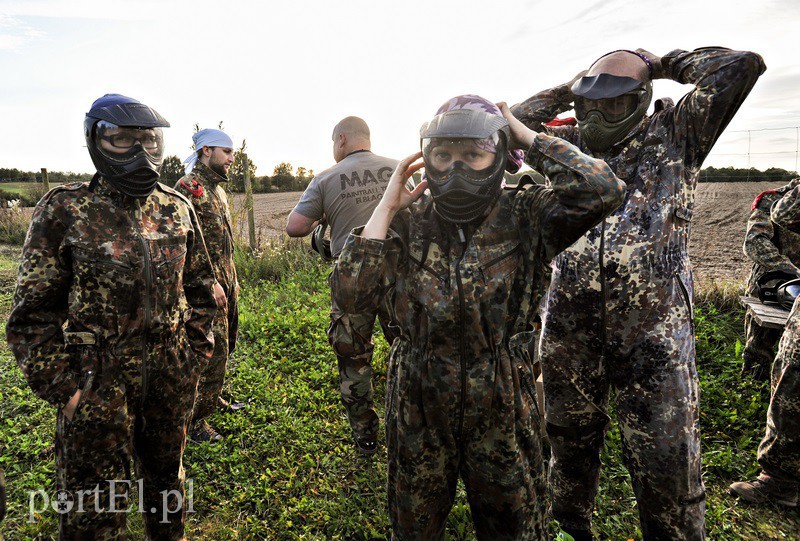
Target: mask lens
(118, 142)
(612, 109)
(440, 155)
(793, 291)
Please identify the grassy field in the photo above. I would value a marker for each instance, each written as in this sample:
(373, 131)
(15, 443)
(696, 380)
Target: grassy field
(22, 188)
(286, 469)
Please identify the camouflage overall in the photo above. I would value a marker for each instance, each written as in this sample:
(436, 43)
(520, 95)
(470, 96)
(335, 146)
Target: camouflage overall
(619, 310)
(133, 284)
(770, 247)
(460, 396)
(202, 188)
(779, 451)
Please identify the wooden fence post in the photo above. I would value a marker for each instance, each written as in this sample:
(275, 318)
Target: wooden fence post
(248, 188)
(45, 182)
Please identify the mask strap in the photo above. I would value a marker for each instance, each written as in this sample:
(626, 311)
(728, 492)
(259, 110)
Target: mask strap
(94, 181)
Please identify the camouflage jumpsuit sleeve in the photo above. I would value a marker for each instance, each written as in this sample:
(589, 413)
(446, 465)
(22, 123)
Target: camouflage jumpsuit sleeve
(39, 309)
(722, 78)
(198, 286)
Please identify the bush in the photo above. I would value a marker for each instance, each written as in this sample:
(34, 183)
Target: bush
(14, 223)
(278, 260)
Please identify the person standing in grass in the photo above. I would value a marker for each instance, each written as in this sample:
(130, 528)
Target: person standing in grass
(344, 197)
(206, 171)
(770, 248)
(462, 268)
(779, 451)
(619, 310)
(111, 324)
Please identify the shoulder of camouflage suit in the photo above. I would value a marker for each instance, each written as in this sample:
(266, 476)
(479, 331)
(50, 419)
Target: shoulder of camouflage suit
(61, 189)
(786, 210)
(767, 198)
(190, 183)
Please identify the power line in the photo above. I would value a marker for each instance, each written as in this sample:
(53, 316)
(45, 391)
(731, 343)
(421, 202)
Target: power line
(764, 129)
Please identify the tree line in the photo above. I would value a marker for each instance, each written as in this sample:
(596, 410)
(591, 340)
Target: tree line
(285, 178)
(15, 175)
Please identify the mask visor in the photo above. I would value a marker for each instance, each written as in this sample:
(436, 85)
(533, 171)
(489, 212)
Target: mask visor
(612, 109)
(475, 159)
(121, 144)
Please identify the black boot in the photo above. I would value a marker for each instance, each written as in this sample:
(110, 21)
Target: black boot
(579, 535)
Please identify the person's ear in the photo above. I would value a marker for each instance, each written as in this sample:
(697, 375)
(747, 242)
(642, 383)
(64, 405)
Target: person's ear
(207, 151)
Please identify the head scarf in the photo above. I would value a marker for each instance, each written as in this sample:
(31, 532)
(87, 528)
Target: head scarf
(477, 103)
(206, 138)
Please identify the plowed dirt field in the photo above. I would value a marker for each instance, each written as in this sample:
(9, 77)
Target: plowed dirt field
(715, 248)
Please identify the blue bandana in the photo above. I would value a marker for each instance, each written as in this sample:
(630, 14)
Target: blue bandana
(206, 138)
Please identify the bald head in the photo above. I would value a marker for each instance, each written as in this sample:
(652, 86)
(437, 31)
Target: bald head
(353, 127)
(349, 135)
(623, 64)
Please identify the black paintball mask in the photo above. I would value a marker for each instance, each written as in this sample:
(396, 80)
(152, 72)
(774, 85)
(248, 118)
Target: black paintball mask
(778, 287)
(320, 244)
(126, 143)
(465, 153)
(608, 107)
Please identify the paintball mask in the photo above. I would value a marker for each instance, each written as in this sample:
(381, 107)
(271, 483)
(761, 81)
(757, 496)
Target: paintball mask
(778, 287)
(464, 151)
(608, 106)
(126, 143)
(788, 292)
(320, 244)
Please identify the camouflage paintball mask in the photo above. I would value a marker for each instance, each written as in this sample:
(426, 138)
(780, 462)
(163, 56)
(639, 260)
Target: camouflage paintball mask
(608, 107)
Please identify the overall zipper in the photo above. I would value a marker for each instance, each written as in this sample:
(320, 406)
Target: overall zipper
(462, 343)
(148, 315)
(603, 290)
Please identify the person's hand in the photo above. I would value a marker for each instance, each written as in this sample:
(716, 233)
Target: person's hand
(655, 61)
(219, 295)
(521, 135)
(397, 196)
(69, 409)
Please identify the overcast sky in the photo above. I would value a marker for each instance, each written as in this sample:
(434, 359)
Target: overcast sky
(281, 74)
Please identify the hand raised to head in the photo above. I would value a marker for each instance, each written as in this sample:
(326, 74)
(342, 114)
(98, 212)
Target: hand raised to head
(521, 136)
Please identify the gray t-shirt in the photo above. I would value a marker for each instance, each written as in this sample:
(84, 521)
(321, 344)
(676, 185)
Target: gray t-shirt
(347, 193)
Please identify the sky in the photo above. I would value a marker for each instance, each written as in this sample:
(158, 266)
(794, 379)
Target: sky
(281, 74)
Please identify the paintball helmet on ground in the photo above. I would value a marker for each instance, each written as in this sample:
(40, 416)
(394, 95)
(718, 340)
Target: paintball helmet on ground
(126, 143)
(608, 105)
(778, 287)
(320, 244)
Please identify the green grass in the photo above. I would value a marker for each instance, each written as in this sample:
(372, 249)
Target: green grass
(23, 188)
(287, 470)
